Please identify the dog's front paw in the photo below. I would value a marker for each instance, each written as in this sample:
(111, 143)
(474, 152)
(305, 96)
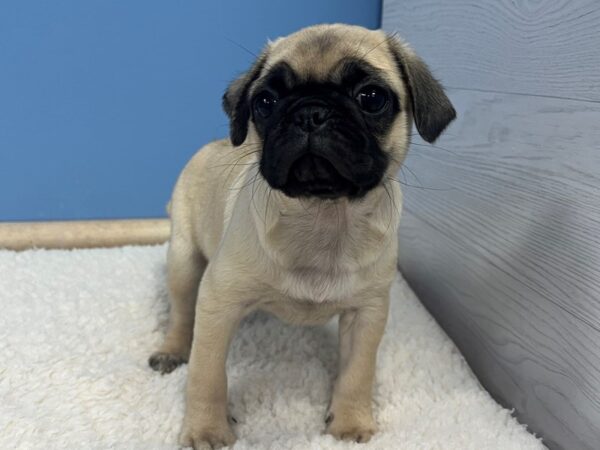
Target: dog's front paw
(165, 362)
(207, 436)
(348, 424)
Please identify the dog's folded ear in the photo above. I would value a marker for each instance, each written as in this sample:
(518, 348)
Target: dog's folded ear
(236, 102)
(432, 110)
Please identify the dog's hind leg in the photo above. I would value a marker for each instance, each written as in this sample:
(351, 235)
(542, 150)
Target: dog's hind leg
(185, 266)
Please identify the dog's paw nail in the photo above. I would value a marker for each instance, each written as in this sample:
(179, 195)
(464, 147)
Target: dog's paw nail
(233, 419)
(213, 438)
(165, 362)
(328, 419)
(345, 427)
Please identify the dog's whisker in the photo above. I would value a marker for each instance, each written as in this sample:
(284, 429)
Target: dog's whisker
(247, 50)
(391, 217)
(253, 192)
(234, 164)
(267, 203)
(405, 166)
(418, 187)
(387, 39)
(430, 146)
(360, 43)
(251, 182)
(237, 162)
(403, 175)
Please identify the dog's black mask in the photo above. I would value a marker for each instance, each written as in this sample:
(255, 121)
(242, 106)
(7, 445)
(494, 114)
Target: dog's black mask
(320, 139)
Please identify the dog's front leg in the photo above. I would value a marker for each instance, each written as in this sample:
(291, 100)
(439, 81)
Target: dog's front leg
(350, 415)
(219, 310)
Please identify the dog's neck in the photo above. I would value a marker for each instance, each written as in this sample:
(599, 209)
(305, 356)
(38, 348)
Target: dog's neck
(316, 234)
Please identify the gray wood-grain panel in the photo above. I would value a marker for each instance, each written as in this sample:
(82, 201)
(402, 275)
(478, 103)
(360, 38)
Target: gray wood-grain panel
(541, 47)
(500, 235)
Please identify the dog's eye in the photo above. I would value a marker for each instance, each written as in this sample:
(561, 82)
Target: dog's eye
(372, 99)
(264, 103)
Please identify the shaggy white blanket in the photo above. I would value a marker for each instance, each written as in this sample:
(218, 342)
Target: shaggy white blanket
(77, 327)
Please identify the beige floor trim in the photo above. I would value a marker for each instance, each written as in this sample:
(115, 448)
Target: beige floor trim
(83, 234)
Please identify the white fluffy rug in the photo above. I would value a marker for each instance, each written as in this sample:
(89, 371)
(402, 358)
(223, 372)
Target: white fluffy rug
(77, 327)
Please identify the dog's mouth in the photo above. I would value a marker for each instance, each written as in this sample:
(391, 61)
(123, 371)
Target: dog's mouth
(315, 176)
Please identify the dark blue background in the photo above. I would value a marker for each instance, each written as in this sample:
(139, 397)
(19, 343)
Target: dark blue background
(103, 102)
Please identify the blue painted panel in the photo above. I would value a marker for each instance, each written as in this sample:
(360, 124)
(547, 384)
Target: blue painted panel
(103, 102)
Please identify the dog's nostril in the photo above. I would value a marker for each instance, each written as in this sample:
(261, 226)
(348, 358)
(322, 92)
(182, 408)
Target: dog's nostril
(319, 117)
(311, 118)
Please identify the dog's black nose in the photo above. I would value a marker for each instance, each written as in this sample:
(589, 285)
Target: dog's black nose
(311, 117)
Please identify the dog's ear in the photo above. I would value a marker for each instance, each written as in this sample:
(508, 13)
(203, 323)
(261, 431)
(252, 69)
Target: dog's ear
(432, 110)
(236, 102)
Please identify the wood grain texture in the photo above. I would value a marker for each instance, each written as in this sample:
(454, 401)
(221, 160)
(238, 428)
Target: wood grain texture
(543, 47)
(500, 235)
(500, 238)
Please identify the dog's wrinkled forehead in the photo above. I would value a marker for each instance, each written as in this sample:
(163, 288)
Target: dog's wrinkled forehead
(315, 53)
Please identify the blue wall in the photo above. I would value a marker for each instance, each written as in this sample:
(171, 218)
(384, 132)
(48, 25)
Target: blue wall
(102, 102)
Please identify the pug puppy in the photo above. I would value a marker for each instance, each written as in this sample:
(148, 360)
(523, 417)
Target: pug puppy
(297, 214)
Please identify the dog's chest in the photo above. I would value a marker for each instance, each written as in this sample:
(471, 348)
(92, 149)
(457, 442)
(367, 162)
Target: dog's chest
(318, 255)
